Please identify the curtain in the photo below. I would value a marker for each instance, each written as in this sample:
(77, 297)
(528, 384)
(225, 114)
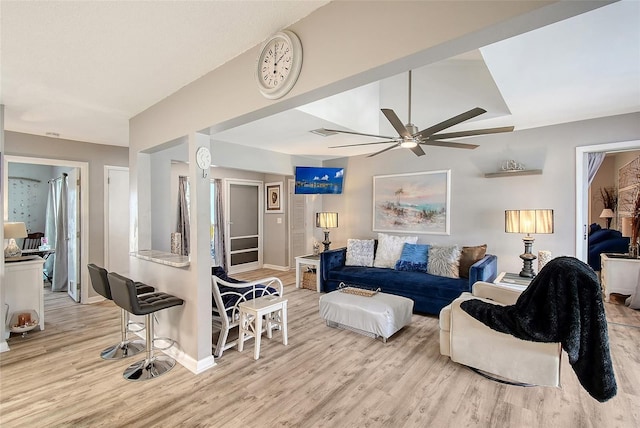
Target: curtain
(183, 213)
(61, 262)
(218, 234)
(594, 162)
(50, 225)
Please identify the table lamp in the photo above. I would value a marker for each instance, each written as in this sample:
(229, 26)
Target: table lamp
(326, 221)
(528, 221)
(13, 230)
(608, 214)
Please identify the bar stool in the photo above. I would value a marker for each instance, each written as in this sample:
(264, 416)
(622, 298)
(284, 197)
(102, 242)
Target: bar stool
(126, 347)
(123, 291)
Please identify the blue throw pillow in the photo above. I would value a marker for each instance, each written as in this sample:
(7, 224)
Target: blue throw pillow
(414, 258)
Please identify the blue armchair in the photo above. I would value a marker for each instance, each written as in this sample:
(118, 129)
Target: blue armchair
(605, 241)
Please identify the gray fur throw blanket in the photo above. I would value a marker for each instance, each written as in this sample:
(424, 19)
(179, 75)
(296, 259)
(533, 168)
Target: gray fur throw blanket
(562, 304)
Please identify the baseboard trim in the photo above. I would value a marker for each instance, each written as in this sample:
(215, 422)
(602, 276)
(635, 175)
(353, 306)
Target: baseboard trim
(194, 366)
(92, 300)
(276, 267)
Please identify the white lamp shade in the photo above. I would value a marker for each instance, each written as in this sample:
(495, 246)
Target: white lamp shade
(15, 230)
(326, 220)
(528, 221)
(627, 227)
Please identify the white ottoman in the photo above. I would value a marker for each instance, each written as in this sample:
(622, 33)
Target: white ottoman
(379, 315)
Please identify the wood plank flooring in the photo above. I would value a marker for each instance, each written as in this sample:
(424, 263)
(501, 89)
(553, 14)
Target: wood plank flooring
(324, 378)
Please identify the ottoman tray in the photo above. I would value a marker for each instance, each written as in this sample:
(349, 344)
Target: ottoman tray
(380, 315)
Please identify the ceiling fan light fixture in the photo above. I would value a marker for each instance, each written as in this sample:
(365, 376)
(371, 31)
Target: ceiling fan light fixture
(408, 144)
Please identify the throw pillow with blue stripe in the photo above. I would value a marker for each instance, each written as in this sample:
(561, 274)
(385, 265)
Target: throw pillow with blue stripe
(414, 258)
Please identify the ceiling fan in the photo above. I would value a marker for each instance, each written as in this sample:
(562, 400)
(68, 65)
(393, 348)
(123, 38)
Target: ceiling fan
(410, 138)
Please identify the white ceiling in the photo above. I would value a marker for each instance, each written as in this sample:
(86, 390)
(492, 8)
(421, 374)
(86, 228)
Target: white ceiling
(82, 69)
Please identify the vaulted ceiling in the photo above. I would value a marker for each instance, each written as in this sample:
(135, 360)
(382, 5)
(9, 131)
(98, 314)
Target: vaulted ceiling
(82, 69)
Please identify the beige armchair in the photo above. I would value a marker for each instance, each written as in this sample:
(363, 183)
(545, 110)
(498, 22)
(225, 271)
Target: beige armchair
(470, 342)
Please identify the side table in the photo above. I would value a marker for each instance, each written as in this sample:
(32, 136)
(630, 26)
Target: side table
(513, 281)
(273, 308)
(309, 260)
(619, 274)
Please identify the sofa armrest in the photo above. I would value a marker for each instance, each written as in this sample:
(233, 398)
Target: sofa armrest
(331, 259)
(485, 269)
(496, 293)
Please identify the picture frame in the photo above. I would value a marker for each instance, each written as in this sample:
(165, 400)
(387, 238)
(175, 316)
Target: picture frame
(273, 197)
(413, 203)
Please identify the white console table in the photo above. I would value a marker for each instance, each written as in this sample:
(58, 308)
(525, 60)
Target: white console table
(619, 274)
(309, 260)
(24, 287)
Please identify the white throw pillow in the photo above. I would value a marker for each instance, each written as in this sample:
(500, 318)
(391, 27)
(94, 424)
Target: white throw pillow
(359, 252)
(444, 261)
(390, 249)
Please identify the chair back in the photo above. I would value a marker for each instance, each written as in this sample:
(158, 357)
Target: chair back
(32, 241)
(99, 280)
(123, 292)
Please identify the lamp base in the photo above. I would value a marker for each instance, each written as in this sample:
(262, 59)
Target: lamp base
(326, 241)
(12, 249)
(527, 258)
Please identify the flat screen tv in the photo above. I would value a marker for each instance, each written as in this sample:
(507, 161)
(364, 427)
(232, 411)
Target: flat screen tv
(318, 180)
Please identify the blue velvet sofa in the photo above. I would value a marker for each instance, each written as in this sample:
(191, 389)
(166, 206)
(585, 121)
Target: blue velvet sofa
(430, 293)
(604, 241)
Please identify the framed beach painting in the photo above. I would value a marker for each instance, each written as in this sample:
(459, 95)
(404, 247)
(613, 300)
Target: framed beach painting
(412, 203)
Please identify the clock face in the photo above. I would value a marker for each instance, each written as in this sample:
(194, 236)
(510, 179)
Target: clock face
(203, 158)
(279, 64)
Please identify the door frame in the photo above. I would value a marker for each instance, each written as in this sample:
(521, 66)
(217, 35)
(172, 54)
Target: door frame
(84, 207)
(228, 182)
(582, 188)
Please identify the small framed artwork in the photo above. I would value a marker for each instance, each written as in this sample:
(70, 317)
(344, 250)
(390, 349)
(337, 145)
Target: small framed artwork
(412, 203)
(274, 197)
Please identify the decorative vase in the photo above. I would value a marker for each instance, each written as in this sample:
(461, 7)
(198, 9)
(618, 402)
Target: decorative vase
(633, 251)
(543, 258)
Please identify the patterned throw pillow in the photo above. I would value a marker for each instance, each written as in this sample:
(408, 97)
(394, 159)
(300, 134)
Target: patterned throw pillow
(444, 261)
(469, 256)
(359, 252)
(390, 249)
(414, 258)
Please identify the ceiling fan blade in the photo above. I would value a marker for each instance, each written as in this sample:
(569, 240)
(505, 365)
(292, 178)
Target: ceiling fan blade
(425, 133)
(449, 144)
(471, 133)
(384, 150)
(357, 133)
(363, 144)
(396, 123)
(417, 150)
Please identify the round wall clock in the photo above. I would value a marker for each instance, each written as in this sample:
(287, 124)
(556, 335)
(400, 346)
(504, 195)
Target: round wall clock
(203, 158)
(279, 64)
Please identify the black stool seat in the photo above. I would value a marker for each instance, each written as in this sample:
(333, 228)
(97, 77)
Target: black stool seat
(123, 291)
(142, 288)
(126, 347)
(155, 302)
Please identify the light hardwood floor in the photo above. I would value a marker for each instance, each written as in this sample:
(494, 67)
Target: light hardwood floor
(324, 377)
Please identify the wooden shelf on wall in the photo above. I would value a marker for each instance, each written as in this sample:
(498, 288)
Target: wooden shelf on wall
(513, 173)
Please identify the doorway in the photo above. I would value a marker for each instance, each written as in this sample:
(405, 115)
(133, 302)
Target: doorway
(80, 255)
(244, 204)
(582, 189)
(116, 219)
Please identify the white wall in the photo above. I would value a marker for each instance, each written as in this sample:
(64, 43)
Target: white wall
(478, 203)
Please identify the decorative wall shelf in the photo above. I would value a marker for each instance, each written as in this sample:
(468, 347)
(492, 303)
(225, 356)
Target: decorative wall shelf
(513, 173)
(162, 258)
